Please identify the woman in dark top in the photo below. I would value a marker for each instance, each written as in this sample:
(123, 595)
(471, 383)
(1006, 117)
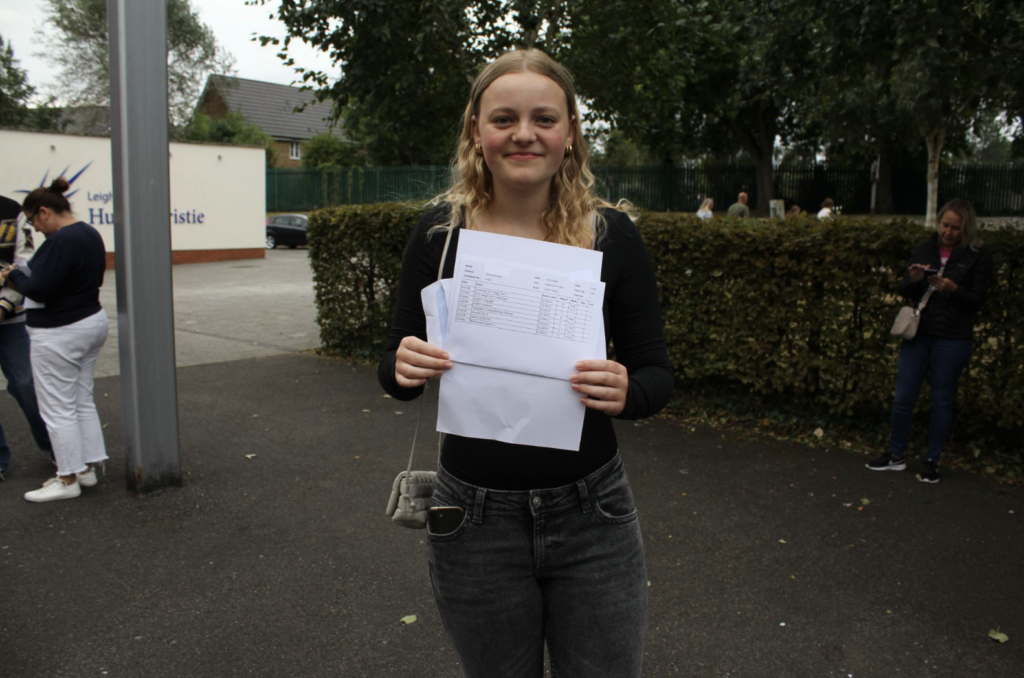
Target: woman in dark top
(549, 548)
(957, 268)
(67, 327)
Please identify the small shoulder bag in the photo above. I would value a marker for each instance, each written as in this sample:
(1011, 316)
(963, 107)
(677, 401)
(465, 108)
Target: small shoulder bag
(909, 317)
(412, 490)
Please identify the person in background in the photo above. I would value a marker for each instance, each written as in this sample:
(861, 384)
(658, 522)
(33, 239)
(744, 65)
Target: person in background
(827, 208)
(502, 596)
(794, 211)
(957, 268)
(739, 208)
(16, 245)
(67, 328)
(705, 208)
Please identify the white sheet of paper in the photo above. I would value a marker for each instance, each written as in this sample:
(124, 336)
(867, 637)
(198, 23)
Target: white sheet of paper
(502, 404)
(522, 319)
(480, 402)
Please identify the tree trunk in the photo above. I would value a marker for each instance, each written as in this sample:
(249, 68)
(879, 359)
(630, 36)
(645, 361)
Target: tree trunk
(765, 184)
(935, 139)
(884, 203)
(759, 142)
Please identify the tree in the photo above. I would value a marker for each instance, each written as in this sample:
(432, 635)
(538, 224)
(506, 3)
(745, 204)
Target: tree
(233, 129)
(329, 150)
(855, 115)
(709, 77)
(947, 64)
(79, 48)
(405, 66)
(615, 148)
(16, 93)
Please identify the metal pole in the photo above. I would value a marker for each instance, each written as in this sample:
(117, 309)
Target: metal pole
(142, 237)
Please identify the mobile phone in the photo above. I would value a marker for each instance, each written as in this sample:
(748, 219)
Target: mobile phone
(931, 271)
(445, 519)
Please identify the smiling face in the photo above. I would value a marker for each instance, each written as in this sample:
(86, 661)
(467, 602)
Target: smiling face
(523, 126)
(950, 229)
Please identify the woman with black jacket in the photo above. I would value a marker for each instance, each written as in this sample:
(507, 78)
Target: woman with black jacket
(945, 337)
(67, 328)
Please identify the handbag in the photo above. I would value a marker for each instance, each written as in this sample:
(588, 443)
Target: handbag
(908, 318)
(412, 490)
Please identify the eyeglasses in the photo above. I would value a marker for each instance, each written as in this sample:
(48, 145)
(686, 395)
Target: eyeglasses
(31, 219)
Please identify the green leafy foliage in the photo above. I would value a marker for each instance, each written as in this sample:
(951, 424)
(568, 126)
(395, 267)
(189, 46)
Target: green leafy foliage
(356, 255)
(16, 94)
(78, 47)
(234, 128)
(329, 150)
(790, 316)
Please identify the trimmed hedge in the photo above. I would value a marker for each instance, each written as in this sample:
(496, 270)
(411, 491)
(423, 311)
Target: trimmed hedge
(793, 312)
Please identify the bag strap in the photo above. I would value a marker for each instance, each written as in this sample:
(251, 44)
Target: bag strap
(927, 295)
(423, 397)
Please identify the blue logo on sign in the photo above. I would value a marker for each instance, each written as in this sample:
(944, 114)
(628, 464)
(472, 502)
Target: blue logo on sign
(71, 181)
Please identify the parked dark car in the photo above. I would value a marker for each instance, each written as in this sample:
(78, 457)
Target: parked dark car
(286, 229)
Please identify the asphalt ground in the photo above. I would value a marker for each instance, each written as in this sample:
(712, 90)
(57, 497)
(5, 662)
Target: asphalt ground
(764, 558)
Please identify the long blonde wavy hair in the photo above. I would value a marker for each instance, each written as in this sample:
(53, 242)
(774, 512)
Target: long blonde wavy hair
(572, 199)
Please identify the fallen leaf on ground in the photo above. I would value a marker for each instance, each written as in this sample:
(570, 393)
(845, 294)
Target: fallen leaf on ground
(408, 619)
(819, 432)
(995, 635)
(865, 501)
(782, 541)
(366, 410)
(250, 456)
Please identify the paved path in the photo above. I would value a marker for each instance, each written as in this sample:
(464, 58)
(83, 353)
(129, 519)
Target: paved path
(766, 559)
(230, 310)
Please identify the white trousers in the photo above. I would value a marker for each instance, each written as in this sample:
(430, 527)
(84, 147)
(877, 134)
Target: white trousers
(63, 367)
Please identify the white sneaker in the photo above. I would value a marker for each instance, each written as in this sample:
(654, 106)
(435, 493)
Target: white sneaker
(54, 489)
(87, 479)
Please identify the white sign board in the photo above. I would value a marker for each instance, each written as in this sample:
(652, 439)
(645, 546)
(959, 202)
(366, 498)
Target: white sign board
(218, 196)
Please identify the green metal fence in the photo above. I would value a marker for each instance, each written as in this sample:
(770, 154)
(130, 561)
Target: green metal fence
(302, 190)
(994, 190)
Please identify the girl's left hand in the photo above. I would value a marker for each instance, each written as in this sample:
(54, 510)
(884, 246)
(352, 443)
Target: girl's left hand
(942, 284)
(603, 384)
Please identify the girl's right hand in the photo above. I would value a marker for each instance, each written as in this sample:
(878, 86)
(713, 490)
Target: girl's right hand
(416, 361)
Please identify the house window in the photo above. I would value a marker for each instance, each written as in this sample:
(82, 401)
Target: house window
(295, 150)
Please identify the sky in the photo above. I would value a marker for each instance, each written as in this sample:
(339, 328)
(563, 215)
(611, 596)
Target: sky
(232, 22)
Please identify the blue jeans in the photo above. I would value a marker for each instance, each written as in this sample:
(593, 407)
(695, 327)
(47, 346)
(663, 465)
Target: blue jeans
(942, 360)
(17, 369)
(562, 566)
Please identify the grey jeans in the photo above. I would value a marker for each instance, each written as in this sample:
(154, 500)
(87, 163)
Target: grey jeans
(562, 566)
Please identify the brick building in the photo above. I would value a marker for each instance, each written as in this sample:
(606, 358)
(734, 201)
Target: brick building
(271, 107)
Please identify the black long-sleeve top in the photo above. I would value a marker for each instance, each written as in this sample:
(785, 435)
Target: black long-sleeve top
(950, 315)
(633, 324)
(67, 273)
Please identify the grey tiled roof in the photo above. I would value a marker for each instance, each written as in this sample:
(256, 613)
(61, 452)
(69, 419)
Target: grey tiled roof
(271, 106)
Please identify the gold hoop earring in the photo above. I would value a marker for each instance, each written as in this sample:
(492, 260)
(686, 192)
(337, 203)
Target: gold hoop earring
(478, 149)
(568, 149)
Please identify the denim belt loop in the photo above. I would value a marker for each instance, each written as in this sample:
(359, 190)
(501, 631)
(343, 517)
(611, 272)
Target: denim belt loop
(478, 506)
(583, 495)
